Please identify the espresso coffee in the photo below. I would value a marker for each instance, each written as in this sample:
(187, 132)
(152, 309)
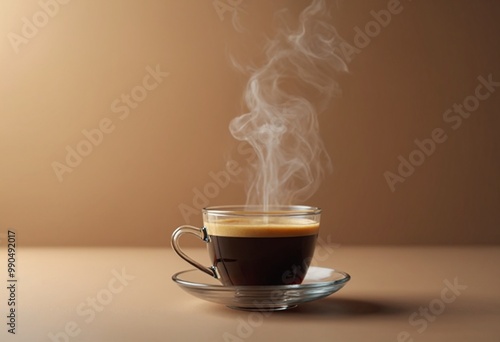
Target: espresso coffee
(262, 253)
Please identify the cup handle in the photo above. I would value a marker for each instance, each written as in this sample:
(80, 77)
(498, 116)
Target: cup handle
(202, 234)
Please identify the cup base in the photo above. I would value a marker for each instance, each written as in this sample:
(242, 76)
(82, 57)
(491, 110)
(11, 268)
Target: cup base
(270, 309)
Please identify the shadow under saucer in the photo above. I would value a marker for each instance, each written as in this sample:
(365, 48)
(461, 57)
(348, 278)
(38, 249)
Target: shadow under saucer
(352, 307)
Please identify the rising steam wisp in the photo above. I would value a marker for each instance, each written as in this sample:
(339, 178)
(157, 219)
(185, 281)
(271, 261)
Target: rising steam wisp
(283, 97)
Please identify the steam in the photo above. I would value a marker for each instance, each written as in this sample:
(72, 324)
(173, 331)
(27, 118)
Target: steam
(282, 124)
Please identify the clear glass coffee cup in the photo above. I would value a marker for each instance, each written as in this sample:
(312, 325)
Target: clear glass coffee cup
(250, 245)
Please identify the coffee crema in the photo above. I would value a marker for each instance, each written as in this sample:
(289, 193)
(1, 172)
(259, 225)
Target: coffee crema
(262, 227)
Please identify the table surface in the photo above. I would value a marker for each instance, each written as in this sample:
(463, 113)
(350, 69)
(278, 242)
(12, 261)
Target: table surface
(126, 294)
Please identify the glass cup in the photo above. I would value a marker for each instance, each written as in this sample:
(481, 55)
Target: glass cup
(252, 246)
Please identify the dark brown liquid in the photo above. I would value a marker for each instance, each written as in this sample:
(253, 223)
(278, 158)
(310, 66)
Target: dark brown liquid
(262, 260)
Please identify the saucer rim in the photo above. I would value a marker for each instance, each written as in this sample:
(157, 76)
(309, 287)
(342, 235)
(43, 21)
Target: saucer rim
(216, 287)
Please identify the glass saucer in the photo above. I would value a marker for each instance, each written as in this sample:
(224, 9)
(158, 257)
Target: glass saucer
(318, 283)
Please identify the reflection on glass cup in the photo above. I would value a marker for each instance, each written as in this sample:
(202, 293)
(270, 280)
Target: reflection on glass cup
(252, 246)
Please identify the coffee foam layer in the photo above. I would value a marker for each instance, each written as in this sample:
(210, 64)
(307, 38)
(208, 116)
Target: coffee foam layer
(262, 228)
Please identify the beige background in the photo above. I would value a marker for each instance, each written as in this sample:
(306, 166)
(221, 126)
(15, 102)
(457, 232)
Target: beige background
(130, 188)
